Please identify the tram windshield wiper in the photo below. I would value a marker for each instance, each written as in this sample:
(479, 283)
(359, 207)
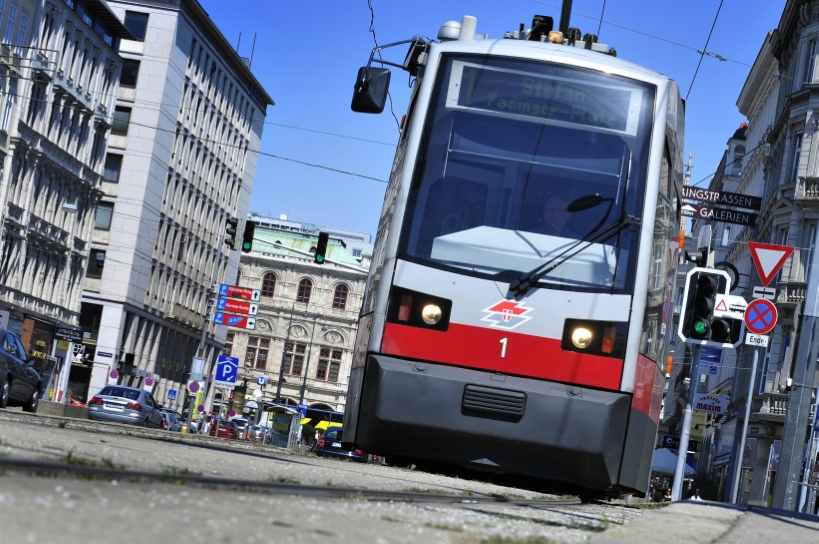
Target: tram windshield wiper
(523, 284)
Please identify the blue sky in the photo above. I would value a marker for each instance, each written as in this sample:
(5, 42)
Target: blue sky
(308, 52)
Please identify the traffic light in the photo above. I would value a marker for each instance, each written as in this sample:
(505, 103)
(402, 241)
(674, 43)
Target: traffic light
(247, 237)
(705, 320)
(321, 247)
(232, 224)
(702, 306)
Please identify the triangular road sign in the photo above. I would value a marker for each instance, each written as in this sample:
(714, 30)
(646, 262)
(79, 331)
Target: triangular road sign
(768, 259)
(721, 306)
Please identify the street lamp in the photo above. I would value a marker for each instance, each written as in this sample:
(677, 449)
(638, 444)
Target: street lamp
(307, 366)
(278, 398)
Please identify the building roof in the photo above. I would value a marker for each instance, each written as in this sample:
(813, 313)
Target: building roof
(221, 43)
(297, 240)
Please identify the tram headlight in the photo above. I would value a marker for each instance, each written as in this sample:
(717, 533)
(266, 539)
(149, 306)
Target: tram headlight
(431, 314)
(582, 337)
(592, 337)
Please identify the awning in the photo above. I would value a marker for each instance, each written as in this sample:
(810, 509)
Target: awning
(322, 425)
(334, 424)
(305, 420)
(665, 462)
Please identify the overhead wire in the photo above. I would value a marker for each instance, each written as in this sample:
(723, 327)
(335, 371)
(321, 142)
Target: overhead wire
(704, 50)
(375, 41)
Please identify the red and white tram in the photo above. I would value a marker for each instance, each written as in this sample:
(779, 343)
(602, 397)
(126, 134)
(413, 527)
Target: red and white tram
(516, 309)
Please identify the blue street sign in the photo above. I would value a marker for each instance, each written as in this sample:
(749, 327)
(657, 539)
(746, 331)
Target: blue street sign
(261, 380)
(171, 394)
(226, 370)
(220, 304)
(223, 290)
(302, 410)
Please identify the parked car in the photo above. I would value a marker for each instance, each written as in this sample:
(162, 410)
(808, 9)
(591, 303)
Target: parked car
(170, 422)
(329, 444)
(125, 405)
(19, 383)
(243, 427)
(225, 429)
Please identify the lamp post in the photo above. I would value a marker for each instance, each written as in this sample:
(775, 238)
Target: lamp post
(62, 379)
(307, 365)
(277, 400)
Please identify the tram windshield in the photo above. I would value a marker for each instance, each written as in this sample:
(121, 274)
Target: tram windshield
(508, 144)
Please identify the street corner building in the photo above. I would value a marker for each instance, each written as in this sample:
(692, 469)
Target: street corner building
(307, 317)
(140, 137)
(59, 72)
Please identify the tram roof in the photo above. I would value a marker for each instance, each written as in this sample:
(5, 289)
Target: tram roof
(549, 51)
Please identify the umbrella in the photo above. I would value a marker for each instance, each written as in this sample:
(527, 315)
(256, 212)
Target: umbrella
(665, 461)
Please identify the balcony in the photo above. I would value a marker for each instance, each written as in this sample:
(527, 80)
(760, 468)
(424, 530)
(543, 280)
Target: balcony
(774, 404)
(808, 189)
(792, 292)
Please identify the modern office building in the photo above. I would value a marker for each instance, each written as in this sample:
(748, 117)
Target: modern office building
(182, 156)
(59, 71)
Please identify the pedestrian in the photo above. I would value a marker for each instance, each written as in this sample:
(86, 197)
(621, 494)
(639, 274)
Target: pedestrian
(667, 497)
(696, 495)
(657, 496)
(208, 421)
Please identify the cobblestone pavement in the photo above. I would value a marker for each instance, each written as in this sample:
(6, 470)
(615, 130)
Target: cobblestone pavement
(108, 510)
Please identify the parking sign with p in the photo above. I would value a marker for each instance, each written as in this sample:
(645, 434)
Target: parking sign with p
(226, 370)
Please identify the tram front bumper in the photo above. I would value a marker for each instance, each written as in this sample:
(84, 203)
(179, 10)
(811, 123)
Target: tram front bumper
(564, 432)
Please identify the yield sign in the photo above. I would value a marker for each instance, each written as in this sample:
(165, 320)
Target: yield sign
(768, 259)
(761, 315)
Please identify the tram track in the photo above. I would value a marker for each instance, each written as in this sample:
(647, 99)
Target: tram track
(54, 469)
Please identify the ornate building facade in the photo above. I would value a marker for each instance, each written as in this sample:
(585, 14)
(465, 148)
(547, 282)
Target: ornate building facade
(307, 320)
(59, 69)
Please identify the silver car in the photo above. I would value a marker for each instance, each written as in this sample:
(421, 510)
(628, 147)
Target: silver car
(170, 422)
(125, 405)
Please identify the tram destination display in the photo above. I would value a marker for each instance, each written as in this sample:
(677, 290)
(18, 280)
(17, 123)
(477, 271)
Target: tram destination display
(528, 96)
(722, 197)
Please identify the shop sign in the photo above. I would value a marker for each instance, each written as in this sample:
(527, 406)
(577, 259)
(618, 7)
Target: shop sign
(710, 404)
(71, 335)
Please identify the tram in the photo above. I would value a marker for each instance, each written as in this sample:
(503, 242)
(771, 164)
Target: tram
(517, 305)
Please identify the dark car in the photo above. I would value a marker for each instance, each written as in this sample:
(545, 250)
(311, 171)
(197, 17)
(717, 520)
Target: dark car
(19, 382)
(125, 405)
(225, 429)
(329, 444)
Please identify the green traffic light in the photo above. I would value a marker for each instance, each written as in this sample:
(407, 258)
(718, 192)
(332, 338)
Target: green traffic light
(319, 258)
(246, 246)
(700, 326)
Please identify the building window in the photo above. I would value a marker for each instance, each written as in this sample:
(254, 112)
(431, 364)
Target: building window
(797, 154)
(9, 35)
(328, 365)
(739, 152)
(810, 62)
(136, 23)
(658, 266)
(357, 253)
(238, 276)
(256, 354)
(268, 285)
(12, 94)
(113, 166)
(294, 358)
(340, 297)
(726, 236)
(305, 288)
(122, 117)
(128, 75)
(102, 219)
(96, 260)
(229, 343)
(250, 353)
(21, 33)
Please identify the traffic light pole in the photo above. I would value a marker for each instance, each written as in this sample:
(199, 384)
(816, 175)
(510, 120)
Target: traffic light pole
(203, 338)
(739, 454)
(693, 379)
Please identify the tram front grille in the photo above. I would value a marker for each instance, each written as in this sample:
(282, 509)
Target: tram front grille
(478, 398)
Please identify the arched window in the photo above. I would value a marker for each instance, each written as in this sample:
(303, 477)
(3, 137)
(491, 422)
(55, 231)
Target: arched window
(739, 153)
(305, 288)
(238, 276)
(340, 297)
(268, 285)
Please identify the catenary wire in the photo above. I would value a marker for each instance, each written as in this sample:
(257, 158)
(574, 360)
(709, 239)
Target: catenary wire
(704, 49)
(375, 41)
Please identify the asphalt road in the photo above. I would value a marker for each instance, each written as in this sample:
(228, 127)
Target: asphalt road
(121, 483)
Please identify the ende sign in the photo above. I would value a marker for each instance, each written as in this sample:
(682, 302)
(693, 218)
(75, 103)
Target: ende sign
(722, 197)
(712, 404)
(719, 214)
